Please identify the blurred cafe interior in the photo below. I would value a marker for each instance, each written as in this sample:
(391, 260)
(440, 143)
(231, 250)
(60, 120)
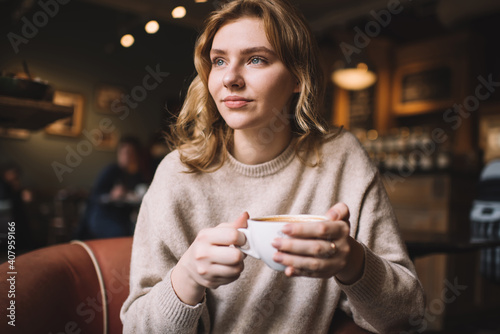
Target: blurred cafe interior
(418, 83)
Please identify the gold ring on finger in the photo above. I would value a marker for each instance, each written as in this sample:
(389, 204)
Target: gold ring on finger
(333, 248)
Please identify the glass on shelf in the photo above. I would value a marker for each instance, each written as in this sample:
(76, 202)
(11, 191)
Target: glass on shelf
(406, 149)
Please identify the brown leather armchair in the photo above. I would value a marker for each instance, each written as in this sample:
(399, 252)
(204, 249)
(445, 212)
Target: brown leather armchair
(79, 287)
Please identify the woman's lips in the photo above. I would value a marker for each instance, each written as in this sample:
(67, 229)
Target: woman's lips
(234, 102)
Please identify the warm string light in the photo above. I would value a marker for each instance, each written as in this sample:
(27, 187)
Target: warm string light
(178, 12)
(152, 27)
(127, 40)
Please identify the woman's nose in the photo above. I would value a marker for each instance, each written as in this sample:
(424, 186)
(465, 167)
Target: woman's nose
(233, 78)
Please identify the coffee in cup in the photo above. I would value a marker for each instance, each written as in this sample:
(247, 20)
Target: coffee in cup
(261, 232)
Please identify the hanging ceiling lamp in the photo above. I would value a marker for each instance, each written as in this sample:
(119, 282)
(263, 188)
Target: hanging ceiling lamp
(355, 77)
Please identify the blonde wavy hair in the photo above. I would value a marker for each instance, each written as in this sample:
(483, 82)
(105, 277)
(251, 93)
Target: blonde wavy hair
(201, 134)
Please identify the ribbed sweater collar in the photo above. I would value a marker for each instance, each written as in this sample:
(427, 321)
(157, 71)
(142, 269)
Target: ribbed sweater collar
(266, 168)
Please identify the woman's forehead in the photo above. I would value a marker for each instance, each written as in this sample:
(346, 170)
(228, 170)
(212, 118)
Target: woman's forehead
(243, 33)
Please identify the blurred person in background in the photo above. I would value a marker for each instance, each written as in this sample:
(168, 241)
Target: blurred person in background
(116, 195)
(14, 198)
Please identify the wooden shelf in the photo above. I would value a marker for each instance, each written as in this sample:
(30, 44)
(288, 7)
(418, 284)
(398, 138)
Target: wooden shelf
(30, 114)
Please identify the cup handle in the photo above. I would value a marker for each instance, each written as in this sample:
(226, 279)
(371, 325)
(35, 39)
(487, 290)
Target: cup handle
(250, 251)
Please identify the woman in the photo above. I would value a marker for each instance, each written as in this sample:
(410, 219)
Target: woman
(249, 139)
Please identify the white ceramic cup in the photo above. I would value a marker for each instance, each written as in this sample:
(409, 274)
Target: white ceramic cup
(263, 230)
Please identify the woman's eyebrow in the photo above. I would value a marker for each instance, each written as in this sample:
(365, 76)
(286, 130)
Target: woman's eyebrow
(257, 49)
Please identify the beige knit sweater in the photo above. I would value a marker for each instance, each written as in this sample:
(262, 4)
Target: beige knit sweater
(386, 299)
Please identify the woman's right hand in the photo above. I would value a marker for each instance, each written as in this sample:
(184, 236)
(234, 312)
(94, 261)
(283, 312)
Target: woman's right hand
(210, 261)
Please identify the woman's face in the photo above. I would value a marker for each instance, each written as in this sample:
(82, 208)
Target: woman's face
(127, 155)
(251, 87)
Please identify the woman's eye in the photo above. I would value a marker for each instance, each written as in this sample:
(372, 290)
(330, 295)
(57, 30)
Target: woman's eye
(256, 61)
(218, 62)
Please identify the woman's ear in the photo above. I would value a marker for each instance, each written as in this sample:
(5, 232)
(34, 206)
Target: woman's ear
(297, 88)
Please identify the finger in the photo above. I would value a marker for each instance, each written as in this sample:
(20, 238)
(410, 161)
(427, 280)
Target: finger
(327, 230)
(311, 265)
(222, 236)
(227, 256)
(220, 271)
(241, 221)
(306, 247)
(215, 275)
(339, 211)
(241, 241)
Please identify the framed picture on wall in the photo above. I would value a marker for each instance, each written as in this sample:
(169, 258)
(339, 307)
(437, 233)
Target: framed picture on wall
(108, 98)
(12, 133)
(425, 87)
(69, 126)
(109, 140)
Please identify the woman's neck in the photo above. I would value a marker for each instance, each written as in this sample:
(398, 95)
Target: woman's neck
(256, 146)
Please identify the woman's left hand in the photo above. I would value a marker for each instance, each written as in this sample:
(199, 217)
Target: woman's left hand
(322, 249)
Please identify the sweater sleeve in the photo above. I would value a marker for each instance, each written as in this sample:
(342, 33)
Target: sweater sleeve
(389, 297)
(152, 305)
